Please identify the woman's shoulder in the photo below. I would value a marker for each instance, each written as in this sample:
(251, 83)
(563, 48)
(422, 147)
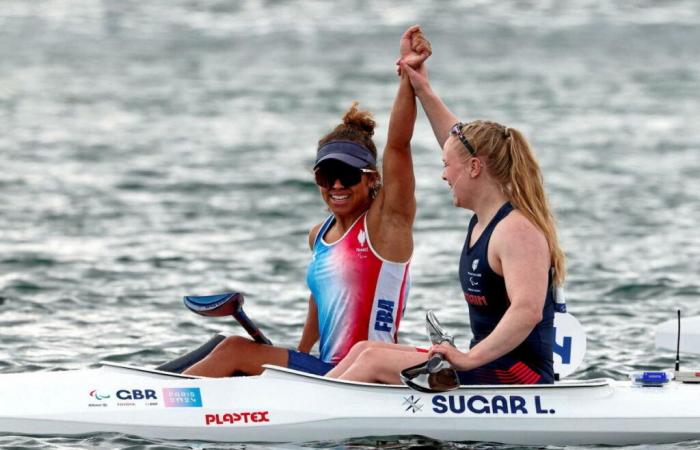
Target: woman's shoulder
(516, 228)
(519, 247)
(313, 232)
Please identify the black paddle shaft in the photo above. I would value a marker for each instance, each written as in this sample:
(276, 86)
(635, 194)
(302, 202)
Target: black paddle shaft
(250, 326)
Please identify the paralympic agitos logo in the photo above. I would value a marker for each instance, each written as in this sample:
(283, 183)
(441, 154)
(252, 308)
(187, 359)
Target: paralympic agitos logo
(99, 395)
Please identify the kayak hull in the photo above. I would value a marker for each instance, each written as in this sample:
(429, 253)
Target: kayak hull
(287, 406)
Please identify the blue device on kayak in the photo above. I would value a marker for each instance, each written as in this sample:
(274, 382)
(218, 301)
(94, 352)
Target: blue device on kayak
(228, 304)
(650, 378)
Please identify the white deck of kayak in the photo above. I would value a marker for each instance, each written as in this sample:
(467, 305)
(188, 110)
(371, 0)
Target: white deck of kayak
(273, 371)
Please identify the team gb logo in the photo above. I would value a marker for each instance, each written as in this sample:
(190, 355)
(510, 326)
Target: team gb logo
(475, 263)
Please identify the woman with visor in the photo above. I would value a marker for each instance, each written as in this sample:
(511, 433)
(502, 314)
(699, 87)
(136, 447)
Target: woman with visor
(358, 275)
(509, 264)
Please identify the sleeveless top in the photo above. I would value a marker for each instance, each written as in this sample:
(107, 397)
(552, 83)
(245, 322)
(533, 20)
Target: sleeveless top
(485, 292)
(358, 294)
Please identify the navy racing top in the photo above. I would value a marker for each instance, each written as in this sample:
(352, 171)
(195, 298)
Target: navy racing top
(485, 293)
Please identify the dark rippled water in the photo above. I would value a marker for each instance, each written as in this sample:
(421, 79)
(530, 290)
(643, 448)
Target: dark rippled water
(154, 149)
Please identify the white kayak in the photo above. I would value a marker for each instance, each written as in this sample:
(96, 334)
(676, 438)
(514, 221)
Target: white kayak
(283, 405)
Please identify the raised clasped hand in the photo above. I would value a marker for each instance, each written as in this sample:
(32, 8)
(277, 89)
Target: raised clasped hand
(414, 48)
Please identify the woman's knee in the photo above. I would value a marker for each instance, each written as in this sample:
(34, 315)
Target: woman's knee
(371, 356)
(362, 346)
(373, 345)
(232, 344)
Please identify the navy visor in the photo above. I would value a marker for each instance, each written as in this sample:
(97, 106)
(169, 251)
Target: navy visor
(349, 152)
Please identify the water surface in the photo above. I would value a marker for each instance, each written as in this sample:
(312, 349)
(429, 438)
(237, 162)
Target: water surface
(151, 150)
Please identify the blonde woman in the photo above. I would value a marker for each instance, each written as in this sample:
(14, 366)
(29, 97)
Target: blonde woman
(510, 262)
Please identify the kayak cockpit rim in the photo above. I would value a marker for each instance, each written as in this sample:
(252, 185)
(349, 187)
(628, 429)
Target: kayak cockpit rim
(285, 372)
(128, 368)
(273, 371)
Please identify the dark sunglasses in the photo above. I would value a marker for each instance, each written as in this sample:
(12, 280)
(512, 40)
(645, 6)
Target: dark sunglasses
(457, 131)
(347, 175)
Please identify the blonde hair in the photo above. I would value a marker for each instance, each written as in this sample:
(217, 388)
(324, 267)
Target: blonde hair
(511, 161)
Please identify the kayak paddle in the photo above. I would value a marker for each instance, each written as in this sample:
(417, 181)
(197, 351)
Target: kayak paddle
(436, 374)
(229, 304)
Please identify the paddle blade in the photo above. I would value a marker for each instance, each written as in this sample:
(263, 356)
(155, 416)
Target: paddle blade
(667, 335)
(229, 304)
(419, 378)
(569, 344)
(214, 305)
(436, 332)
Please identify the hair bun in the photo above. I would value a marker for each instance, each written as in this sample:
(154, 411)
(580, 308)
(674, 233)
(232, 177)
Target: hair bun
(359, 120)
(358, 126)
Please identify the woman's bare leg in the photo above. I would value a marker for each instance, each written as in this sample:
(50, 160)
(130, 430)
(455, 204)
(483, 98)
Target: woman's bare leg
(354, 353)
(357, 350)
(238, 354)
(383, 364)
